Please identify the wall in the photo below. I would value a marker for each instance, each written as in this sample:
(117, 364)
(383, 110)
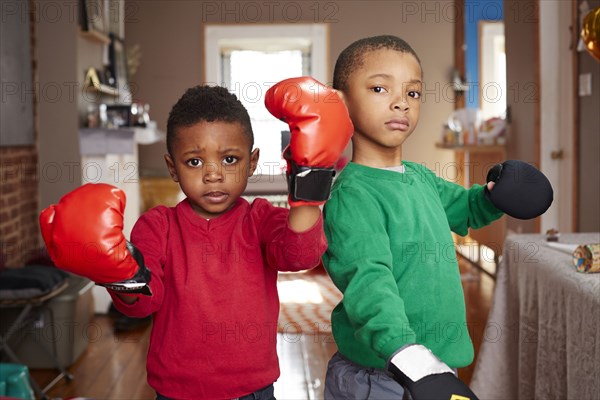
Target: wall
(59, 85)
(16, 124)
(18, 178)
(172, 53)
(589, 144)
(19, 204)
(522, 76)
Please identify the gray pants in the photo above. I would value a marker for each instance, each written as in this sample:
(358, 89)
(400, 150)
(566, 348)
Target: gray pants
(347, 380)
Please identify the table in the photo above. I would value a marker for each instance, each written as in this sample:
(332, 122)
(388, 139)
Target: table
(542, 338)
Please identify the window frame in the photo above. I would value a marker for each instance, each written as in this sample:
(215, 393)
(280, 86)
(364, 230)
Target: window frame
(214, 35)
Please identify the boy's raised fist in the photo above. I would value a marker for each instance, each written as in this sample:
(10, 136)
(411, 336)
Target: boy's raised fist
(520, 190)
(84, 235)
(320, 129)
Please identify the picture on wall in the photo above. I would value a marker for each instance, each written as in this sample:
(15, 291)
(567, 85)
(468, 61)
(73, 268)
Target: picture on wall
(118, 62)
(92, 15)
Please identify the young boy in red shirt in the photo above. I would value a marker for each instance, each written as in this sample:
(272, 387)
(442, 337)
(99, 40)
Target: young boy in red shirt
(214, 257)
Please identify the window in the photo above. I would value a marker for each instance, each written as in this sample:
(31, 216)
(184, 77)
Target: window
(248, 60)
(250, 74)
(492, 62)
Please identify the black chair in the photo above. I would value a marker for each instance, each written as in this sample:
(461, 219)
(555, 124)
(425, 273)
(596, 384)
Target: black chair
(28, 290)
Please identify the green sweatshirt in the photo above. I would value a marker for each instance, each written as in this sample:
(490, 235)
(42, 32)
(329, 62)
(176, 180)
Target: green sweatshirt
(392, 255)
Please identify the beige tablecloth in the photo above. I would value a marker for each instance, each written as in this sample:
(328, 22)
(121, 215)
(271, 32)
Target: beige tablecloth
(542, 339)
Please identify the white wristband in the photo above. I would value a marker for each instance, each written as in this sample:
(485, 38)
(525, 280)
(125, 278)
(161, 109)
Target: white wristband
(417, 361)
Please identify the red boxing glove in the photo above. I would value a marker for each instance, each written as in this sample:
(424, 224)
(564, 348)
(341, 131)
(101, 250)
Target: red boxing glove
(84, 235)
(320, 129)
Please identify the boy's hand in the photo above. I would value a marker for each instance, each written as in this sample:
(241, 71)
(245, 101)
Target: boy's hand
(519, 189)
(426, 377)
(84, 235)
(320, 129)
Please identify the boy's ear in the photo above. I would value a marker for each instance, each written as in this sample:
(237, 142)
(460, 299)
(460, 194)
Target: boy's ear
(253, 161)
(171, 167)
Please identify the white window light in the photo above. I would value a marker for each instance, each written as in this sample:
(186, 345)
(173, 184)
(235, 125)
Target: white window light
(250, 59)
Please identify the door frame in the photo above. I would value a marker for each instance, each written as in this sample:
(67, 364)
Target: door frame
(557, 105)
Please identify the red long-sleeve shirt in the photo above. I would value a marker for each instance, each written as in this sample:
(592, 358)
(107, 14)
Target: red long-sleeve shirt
(215, 302)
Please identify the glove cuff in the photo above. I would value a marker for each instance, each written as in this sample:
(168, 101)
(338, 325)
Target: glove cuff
(416, 362)
(309, 185)
(137, 284)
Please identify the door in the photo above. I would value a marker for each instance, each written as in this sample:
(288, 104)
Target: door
(556, 111)
(540, 101)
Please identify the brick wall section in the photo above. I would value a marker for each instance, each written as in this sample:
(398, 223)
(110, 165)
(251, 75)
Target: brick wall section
(19, 204)
(19, 229)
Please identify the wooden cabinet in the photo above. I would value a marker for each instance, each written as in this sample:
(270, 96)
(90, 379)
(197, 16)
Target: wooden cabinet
(473, 164)
(159, 191)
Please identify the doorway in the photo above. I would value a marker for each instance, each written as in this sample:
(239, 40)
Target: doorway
(492, 70)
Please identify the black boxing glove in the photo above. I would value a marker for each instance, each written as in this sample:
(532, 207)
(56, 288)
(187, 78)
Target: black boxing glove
(520, 190)
(425, 376)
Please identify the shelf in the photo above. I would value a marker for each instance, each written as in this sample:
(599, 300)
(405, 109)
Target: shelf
(98, 140)
(95, 36)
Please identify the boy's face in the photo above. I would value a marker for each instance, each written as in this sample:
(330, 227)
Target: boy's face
(383, 99)
(212, 161)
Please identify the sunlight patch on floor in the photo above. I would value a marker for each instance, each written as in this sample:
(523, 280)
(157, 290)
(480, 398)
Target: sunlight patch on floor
(299, 291)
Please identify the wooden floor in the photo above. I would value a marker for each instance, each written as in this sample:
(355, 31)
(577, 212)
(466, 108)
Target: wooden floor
(113, 365)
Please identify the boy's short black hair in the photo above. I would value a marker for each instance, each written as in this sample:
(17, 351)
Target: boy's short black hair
(207, 104)
(351, 58)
